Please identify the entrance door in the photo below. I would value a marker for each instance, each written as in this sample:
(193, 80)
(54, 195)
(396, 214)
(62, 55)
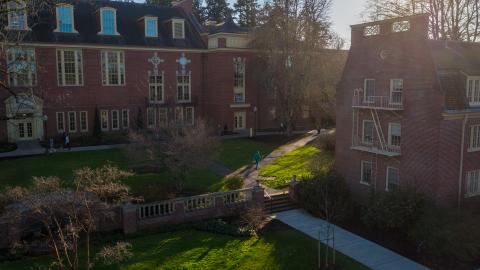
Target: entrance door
(239, 120)
(25, 130)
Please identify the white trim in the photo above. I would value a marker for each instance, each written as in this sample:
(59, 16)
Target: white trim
(390, 134)
(361, 172)
(117, 121)
(120, 67)
(469, 176)
(363, 131)
(101, 120)
(146, 19)
(72, 15)
(162, 85)
(86, 121)
(63, 121)
(128, 118)
(185, 116)
(473, 79)
(153, 112)
(10, 15)
(78, 67)
(243, 114)
(74, 121)
(183, 84)
(114, 21)
(387, 178)
(391, 92)
(365, 89)
(30, 52)
(175, 21)
(165, 111)
(246, 105)
(472, 138)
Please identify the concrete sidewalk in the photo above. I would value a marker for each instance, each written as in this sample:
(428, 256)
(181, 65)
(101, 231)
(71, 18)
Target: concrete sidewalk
(38, 150)
(362, 250)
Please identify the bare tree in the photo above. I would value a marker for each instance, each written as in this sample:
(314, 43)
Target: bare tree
(449, 19)
(289, 40)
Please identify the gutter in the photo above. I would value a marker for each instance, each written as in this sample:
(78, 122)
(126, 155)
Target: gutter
(460, 174)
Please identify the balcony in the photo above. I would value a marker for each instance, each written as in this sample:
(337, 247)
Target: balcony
(377, 102)
(375, 147)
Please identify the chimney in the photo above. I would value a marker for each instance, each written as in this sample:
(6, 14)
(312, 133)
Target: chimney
(186, 5)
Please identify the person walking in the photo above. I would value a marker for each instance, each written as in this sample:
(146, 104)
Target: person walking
(67, 141)
(257, 157)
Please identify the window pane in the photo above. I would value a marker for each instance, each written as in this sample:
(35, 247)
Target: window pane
(108, 22)
(151, 27)
(65, 19)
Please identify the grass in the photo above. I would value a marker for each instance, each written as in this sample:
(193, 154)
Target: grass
(190, 249)
(295, 163)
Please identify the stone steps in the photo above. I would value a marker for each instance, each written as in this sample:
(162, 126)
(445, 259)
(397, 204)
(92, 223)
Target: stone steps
(279, 203)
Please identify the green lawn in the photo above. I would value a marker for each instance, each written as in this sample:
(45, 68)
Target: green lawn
(295, 163)
(236, 153)
(189, 249)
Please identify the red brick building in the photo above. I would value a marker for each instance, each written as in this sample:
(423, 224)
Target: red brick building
(131, 64)
(408, 112)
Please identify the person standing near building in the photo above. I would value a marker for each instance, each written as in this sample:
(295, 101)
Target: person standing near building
(257, 157)
(67, 141)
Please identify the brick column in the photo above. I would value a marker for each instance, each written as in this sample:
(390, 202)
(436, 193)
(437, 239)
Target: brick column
(291, 189)
(258, 196)
(130, 219)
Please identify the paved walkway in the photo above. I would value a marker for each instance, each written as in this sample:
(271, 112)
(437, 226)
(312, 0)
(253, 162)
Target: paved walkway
(362, 250)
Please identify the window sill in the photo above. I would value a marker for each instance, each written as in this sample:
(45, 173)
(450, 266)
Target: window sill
(364, 183)
(184, 101)
(471, 195)
(473, 150)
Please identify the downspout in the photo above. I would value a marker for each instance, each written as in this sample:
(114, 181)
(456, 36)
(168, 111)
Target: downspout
(460, 174)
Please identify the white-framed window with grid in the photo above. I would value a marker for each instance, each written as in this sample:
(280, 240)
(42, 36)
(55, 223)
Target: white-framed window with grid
(394, 134)
(115, 120)
(17, 15)
(183, 88)
(151, 26)
(369, 90)
(393, 179)
(65, 19)
(72, 121)
(155, 84)
(239, 80)
(396, 91)
(125, 118)
(60, 121)
(367, 131)
(69, 67)
(178, 28)
(472, 182)
(113, 68)
(108, 21)
(83, 121)
(401, 26)
(151, 119)
(366, 172)
(474, 138)
(179, 115)
(371, 30)
(162, 117)
(104, 120)
(21, 66)
(473, 91)
(189, 116)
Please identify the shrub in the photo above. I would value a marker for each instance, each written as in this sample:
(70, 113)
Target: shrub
(254, 219)
(324, 196)
(327, 142)
(233, 182)
(394, 211)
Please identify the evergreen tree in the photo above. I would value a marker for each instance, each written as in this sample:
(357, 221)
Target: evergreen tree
(159, 2)
(246, 12)
(217, 10)
(198, 10)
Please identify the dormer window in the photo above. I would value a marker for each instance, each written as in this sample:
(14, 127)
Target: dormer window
(17, 15)
(473, 91)
(151, 27)
(65, 21)
(108, 18)
(178, 28)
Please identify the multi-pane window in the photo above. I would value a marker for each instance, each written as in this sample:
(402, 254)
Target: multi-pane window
(239, 120)
(156, 88)
(115, 120)
(104, 120)
(83, 121)
(109, 21)
(371, 30)
(151, 27)
(396, 91)
(367, 136)
(65, 21)
(394, 134)
(239, 80)
(473, 183)
(183, 88)
(72, 121)
(305, 111)
(178, 30)
(189, 116)
(60, 122)
(366, 174)
(474, 138)
(179, 115)
(113, 68)
(69, 67)
(21, 66)
(162, 117)
(125, 118)
(151, 117)
(473, 91)
(17, 15)
(369, 90)
(393, 178)
(401, 26)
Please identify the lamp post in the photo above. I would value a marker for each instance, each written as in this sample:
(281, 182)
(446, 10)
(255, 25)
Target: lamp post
(45, 119)
(255, 109)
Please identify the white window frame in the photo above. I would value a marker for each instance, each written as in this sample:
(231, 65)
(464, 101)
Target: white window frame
(127, 111)
(114, 21)
(392, 90)
(244, 120)
(192, 122)
(469, 176)
(365, 100)
(401, 26)
(390, 126)
(117, 121)
(363, 132)
(84, 113)
(59, 130)
(361, 172)
(146, 20)
(151, 113)
(474, 145)
(11, 16)
(387, 177)
(371, 30)
(72, 15)
(12, 70)
(78, 58)
(120, 68)
(157, 85)
(162, 111)
(70, 121)
(239, 68)
(473, 96)
(176, 21)
(102, 113)
(183, 85)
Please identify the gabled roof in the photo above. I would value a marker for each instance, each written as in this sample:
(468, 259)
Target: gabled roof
(228, 26)
(87, 24)
(456, 55)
